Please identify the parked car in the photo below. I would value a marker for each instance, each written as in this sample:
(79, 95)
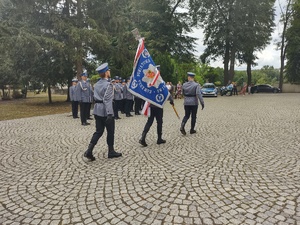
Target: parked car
(209, 89)
(264, 88)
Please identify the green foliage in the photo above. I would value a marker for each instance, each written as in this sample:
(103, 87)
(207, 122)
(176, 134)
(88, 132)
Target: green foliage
(94, 79)
(293, 47)
(234, 29)
(166, 67)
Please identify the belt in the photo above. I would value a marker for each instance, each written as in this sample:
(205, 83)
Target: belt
(190, 95)
(98, 101)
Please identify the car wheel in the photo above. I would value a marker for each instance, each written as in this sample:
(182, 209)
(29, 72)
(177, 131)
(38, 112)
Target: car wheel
(275, 91)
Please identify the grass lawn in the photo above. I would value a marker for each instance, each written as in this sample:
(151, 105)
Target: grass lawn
(33, 105)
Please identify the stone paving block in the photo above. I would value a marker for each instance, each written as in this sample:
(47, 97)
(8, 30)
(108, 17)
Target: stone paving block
(239, 168)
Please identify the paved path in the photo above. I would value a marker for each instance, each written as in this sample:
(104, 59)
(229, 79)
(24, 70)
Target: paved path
(241, 167)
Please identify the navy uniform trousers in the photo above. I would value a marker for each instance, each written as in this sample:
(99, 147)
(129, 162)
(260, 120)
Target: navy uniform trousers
(190, 110)
(156, 113)
(101, 124)
(84, 111)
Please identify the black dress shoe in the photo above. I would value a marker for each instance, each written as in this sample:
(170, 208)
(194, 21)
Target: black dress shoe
(85, 124)
(117, 118)
(129, 115)
(114, 155)
(75, 117)
(192, 132)
(161, 141)
(90, 118)
(143, 142)
(89, 156)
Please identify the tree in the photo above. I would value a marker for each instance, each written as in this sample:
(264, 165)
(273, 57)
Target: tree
(234, 29)
(293, 46)
(165, 24)
(286, 15)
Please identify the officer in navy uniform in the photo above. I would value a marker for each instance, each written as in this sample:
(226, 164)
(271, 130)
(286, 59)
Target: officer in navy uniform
(103, 112)
(73, 98)
(129, 99)
(192, 93)
(83, 93)
(156, 113)
(118, 96)
(123, 82)
(137, 105)
(91, 93)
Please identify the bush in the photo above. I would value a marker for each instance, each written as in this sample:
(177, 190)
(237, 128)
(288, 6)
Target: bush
(218, 83)
(17, 94)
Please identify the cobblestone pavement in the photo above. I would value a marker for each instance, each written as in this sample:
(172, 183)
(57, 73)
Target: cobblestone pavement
(241, 167)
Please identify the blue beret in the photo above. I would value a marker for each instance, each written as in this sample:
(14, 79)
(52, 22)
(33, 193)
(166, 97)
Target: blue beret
(102, 68)
(116, 78)
(123, 80)
(191, 74)
(74, 80)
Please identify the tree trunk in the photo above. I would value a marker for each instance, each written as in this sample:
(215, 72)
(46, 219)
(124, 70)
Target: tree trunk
(282, 56)
(49, 94)
(79, 43)
(226, 62)
(249, 75)
(286, 16)
(68, 94)
(232, 63)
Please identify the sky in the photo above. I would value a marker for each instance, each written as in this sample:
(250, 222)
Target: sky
(269, 56)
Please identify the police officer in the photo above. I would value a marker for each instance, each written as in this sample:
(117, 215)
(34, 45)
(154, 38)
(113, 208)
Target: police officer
(192, 93)
(118, 96)
(123, 82)
(129, 99)
(73, 98)
(157, 113)
(103, 112)
(83, 93)
(137, 105)
(91, 94)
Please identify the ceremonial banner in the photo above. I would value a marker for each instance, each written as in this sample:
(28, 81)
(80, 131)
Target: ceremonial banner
(145, 81)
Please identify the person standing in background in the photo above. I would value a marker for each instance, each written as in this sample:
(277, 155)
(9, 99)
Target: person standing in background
(118, 96)
(74, 99)
(91, 99)
(83, 93)
(129, 99)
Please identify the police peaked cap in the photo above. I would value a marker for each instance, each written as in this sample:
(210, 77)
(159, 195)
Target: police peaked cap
(191, 74)
(102, 68)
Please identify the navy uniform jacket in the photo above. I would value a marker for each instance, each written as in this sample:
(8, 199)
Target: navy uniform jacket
(72, 92)
(103, 92)
(118, 91)
(91, 92)
(83, 90)
(192, 92)
(127, 94)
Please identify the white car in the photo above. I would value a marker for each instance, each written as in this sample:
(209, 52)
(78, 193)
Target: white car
(209, 89)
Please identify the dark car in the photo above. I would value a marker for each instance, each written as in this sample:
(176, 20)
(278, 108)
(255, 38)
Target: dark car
(264, 88)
